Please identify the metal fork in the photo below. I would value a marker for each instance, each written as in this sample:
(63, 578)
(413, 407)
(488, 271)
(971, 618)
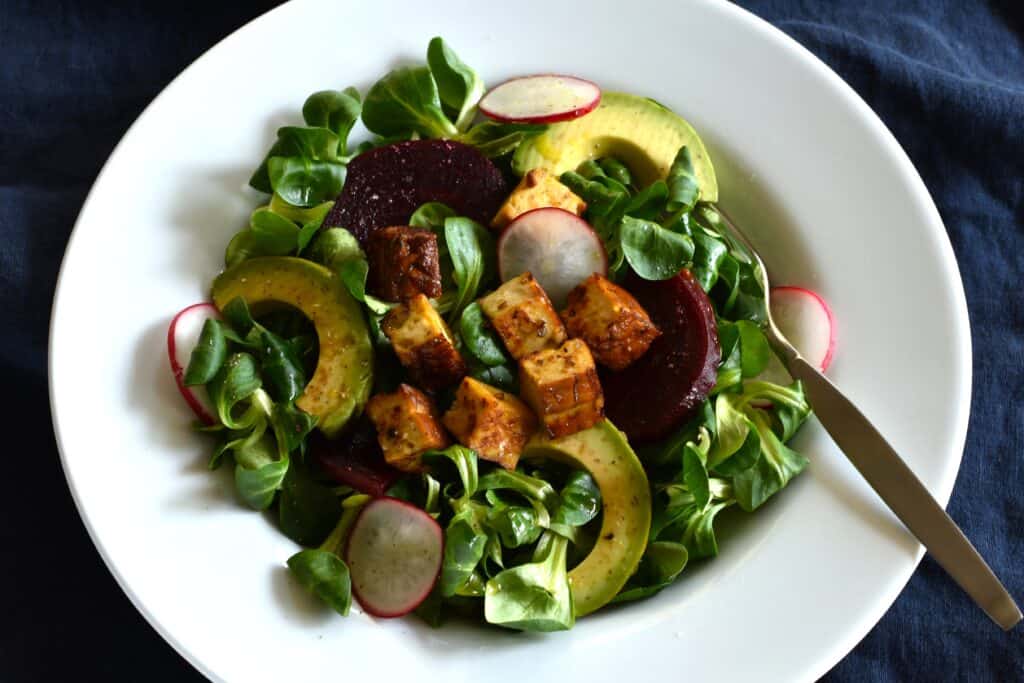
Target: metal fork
(877, 461)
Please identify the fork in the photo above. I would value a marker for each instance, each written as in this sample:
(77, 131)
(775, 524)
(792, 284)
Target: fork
(877, 461)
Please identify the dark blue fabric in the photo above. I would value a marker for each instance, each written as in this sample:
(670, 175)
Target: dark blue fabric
(947, 77)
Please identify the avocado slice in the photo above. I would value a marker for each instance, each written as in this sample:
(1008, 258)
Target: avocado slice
(341, 384)
(639, 131)
(603, 451)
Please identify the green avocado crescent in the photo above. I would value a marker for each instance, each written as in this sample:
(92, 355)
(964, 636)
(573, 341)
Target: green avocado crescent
(340, 386)
(639, 131)
(603, 451)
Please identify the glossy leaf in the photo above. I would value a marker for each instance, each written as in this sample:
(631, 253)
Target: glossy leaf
(662, 562)
(308, 510)
(282, 370)
(479, 337)
(579, 502)
(325, 575)
(653, 252)
(406, 101)
(258, 486)
(464, 544)
(236, 381)
(334, 110)
(494, 139)
(471, 249)
(464, 462)
(305, 182)
(209, 354)
(534, 596)
(458, 86)
(683, 189)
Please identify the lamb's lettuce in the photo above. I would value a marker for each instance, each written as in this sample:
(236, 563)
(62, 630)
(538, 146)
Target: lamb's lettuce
(479, 338)
(336, 111)
(534, 596)
(321, 570)
(654, 252)
(493, 139)
(406, 101)
(465, 540)
(459, 87)
(471, 249)
(208, 356)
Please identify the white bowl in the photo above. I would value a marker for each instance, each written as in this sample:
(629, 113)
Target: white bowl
(803, 163)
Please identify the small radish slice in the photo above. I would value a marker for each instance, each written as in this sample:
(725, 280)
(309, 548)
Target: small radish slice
(182, 337)
(806, 321)
(394, 556)
(545, 98)
(557, 246)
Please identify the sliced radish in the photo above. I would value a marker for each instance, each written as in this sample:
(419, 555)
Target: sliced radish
(806, 321)
(394, 556)
(182, 337)
(545, 98)
(557, 246)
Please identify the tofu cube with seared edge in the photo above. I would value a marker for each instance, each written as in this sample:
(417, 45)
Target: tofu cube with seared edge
(562, 387)
(404, 262)
(407, 426)
(612, 323)
(522, 315)
(494, 423)
(424, 344)
(537, 189)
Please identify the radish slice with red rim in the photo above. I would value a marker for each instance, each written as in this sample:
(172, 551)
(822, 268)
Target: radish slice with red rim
(558, 247)
(807, 322)
(394, 554)
(544, 98)
(182, 337)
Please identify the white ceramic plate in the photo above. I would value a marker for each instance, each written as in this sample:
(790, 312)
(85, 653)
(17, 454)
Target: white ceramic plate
(803, 163)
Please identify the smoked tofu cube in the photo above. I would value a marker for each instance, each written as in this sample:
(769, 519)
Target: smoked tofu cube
(407, 426)
(492, 422)
(607, 317)
(562, 387)
(537, 189)
(424, 344)
(522, 315)
(403, 262)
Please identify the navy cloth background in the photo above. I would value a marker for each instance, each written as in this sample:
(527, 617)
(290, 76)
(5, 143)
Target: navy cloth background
(946, 77)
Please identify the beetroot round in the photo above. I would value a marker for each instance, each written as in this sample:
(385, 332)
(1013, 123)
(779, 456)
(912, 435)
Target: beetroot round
(354, 458)
(660, 391)
(384, 186)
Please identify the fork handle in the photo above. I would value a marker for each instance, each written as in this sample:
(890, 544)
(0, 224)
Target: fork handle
(903, 492)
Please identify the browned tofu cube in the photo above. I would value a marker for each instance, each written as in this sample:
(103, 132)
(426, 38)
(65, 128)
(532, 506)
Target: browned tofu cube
(492, 422)
(537, 189)
(523, 316)
(424, 343)
(404, 262)
(562, 387)
(407, 426)
(607, 317)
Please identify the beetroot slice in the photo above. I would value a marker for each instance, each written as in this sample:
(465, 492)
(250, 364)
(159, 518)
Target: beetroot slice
(384, 186)
(354, 459)
(661, 390)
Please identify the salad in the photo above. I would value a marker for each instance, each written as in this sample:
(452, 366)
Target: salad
(496, 360)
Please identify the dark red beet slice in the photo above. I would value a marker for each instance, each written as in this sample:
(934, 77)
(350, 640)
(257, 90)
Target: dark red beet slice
(384, 186)
(658, 392)
(354, 459)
